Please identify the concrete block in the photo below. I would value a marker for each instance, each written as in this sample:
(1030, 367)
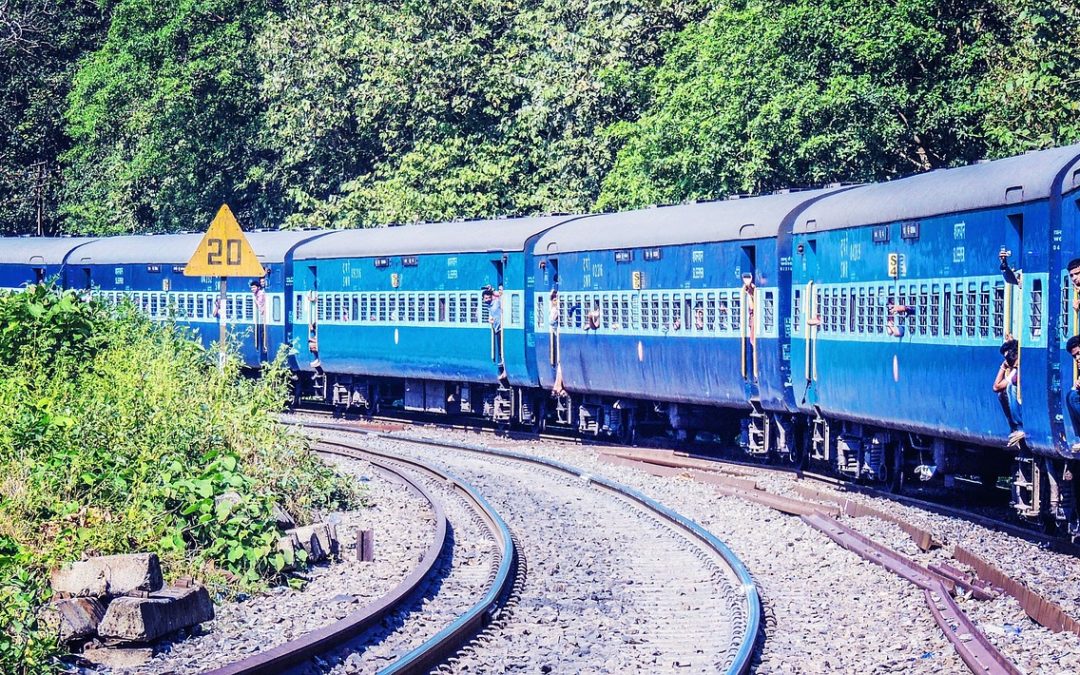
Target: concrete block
(289, 545)
(147, 619)
(319, 540)
(282, 518)
(109, 575)
(72, 619)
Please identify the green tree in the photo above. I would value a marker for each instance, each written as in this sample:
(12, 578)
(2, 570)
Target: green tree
(164, 118)
(40, 42)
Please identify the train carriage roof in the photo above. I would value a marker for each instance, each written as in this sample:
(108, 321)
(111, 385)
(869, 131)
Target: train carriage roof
(509, 234)
(1014, 180)
(733, 219)
(38, 250)
(177, 249)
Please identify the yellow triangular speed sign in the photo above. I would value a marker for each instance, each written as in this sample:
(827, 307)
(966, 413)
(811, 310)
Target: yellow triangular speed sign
(224, 251)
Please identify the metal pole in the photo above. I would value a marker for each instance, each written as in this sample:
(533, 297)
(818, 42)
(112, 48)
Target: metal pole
(223, 287)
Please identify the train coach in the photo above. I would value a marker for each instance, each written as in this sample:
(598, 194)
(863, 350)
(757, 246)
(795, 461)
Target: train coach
(902, 296)
(431, 317)
(149, 270)
(33, 260)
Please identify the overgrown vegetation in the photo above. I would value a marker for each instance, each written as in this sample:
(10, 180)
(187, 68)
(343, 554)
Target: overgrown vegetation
(119, 435)
(354, 113)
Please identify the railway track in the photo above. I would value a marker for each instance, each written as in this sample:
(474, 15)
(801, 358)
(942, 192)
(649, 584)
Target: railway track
(689, 603)
(825, 495)
(464, 616)
(676, 457)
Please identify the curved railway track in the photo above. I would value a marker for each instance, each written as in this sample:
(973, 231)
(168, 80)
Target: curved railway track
(453, 635)
(667, 586)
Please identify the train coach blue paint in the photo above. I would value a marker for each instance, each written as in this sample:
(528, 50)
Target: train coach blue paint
(148, 270)
(930, 243)
(28, 260)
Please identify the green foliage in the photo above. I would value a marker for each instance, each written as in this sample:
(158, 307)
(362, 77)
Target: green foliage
(163, 118)
(24, 646)
(358, 113)
(117, 435)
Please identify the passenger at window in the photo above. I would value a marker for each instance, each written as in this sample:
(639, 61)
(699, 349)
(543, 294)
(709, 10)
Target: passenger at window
(1074, 276)
(893, 324)
(699, 317)
(1072, 397)
(592, 319)
(1005, 386)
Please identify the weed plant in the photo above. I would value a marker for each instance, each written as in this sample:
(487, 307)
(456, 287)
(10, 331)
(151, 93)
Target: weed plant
(118, 434)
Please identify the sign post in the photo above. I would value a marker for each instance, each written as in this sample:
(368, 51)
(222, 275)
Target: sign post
(223, 252)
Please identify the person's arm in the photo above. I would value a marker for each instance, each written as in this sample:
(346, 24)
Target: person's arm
(1001, 382)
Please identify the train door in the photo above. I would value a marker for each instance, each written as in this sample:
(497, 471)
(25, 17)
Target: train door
(496, 312)
(312, 305)
(748, 318)
(811, 311)
(1012, 293)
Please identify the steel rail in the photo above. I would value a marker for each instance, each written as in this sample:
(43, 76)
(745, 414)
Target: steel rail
(323, 639)
(740, 661)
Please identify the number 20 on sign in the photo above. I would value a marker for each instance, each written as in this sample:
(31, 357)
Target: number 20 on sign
(224, 251)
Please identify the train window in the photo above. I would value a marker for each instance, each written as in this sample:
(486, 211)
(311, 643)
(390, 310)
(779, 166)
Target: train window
(539, 312)
(860, 312)
(298, 307)
(959, 303)
(1036, 308)
(935, 311)
(440, 300)
(984, 309)
(275, 309)
(394, 307)
(654, 311)
(422, 304)
(335, 309)
(380, 313)
(606, 317)
(830, 309)
(734, 310)
(841, 309)
(871, 310)
(946, 306)
(796, 311)
(1066, 291)
(999, 309)
(923, 310)
(853, 316)
(452, 309)
(636, 323)
(722, 312)
(625, 317)
(971, 309)
(675, 320)
(354, 307)
(768, 314)
(699, 312)
(478, 311)
(515, 309)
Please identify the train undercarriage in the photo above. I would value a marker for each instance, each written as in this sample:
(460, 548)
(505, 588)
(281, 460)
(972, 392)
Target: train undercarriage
(1040, 489)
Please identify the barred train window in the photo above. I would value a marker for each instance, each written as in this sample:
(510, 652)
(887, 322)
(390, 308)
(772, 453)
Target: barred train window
(654, 311)
(769, 315)
(842, 314)
(959, 302)
(947, 307)
(861, 320)
(971, 307)
(796, 311)
(515, 309)
(635, 312)
(1036, 308)
(871, 310)
(984, 309)
(735, 310)
(719, 313)
(923, 310)
(699, 306)
(1066, 307)
(935, 311)
(999, 309)
(540, 312)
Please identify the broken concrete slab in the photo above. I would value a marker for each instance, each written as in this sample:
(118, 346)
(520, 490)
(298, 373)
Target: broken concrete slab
(73, 618)
(288, 546)
(319, 540)
(109, 575)
(282, 518)
(165, 611)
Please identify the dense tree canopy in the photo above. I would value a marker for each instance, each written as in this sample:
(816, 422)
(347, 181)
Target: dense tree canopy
(145, 116)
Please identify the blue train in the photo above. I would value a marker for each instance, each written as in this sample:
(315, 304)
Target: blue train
(861, 327)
